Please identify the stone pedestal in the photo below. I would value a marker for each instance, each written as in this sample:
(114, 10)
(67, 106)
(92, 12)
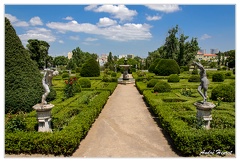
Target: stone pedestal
(44, 117)
(204, 115)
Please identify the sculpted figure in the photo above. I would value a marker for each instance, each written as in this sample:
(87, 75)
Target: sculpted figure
(204, 81)
(47, 81)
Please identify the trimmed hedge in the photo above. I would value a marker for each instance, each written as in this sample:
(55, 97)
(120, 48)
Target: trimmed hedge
(23, 80)
(225, 91)
(65, 75)
(218, 77)
(165, 67)
(90, 69)
(161, 87)
(84, 83)
(151, 83)
(194, 78)
(189, 140)
(153, 65)
(63, 142)
(173, 78)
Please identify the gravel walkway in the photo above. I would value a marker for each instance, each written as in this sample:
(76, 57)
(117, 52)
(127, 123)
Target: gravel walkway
(125, 128)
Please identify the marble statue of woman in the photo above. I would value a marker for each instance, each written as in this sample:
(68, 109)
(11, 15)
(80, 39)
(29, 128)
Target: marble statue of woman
(47, 82)
(204, 81)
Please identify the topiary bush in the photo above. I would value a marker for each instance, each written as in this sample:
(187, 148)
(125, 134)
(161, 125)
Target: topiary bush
(218, 77)
(166, 67)
(161, 87)
(152, 67)
(173, 78)
(52, 95)
(84, 82)
(225, 91)
(194, 78)
(195, 71)
(151, 83)
(23, 80)
(90, 69)
(113, 74)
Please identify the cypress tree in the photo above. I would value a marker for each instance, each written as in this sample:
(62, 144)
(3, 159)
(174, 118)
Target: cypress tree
(23, 85)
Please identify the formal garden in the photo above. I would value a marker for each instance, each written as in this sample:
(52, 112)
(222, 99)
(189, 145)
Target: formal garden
(172, 98)
(79, 94)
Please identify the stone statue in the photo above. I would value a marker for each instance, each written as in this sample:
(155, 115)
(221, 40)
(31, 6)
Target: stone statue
(47, 81)
(204, 81)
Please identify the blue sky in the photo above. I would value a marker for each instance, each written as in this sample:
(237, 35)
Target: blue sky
(122, 29)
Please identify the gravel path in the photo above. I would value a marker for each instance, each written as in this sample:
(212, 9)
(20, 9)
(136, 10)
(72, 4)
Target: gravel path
(125, 128)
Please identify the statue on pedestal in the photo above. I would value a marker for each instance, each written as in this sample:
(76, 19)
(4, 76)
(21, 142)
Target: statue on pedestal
(204, 81)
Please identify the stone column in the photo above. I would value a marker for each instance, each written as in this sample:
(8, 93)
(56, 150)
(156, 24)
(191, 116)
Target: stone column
(204, 115)
(44, 117)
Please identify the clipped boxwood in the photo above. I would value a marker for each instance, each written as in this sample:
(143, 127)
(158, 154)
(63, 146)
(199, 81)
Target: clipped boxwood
(161, 87)
(218, 77)
(84, 83)
(166, 67)
(173, 78)
(90, 69)
(113, 74)
(194, 78)
(195, 71)
(151, 83)
(52, 95)
(225, 91)
(23, 80)
(152, 67)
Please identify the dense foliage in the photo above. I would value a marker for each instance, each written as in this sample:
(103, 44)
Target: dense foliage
(194, 78)
(166, 67)
(152, 67)
(173, 78)
(161, 87)
(84, 83)
(23, 81)
(218, 77)
(90, 69)
(224, 91)
(151, 83)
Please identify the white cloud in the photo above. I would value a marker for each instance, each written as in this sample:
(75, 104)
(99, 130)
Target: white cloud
(89, 39)
(167, 8)
(205, 36)
(117, 11)
(11, 18)
(74, 37)
(38, 33)
(125, 32)
(153, 18)
(103, 22)
(61, 41)
(15, 22)
(35, 21)
(68, 18)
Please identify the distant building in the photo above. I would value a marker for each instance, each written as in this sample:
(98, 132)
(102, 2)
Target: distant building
(70, 55)
(121, 56)
(130, 56)
(214, 51)
(202, 51)
(207, 57)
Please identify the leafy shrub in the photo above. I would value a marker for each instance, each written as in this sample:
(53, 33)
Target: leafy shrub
(23, 81)
(218, 77)
(195, 71)
(15, 122)
(52, 95)
(225, 91)
(152, 67)
(228, 73)
(186, 92)
(165, 67)
(84, 82)
(69, 89)
(185, 68)
(141, 73)
(113, 74)
(78, 69)
(90, 69)
(65, 75)
(161, 87)
(194, 78)
(152, 83)
(173, 78)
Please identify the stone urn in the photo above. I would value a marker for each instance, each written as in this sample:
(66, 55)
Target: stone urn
(44, 117)
(204, 115)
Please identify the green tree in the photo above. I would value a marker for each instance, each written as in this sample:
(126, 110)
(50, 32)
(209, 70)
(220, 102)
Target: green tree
(231, 58)
(79, 57)
(182, 46)
(90, 68)
(71, 65)
(38, 51)
(23, 81)
(60, 60)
